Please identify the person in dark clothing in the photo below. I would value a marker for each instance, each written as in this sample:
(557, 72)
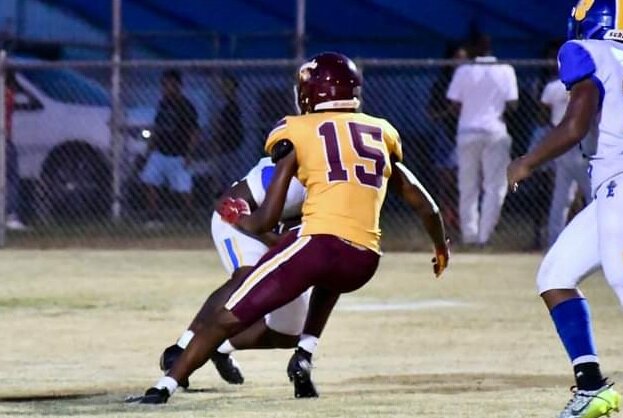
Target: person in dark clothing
(226, 134)
(176, 132)
(226, 127)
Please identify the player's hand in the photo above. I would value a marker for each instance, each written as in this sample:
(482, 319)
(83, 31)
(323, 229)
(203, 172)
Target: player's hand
(441, 259)
(517, 171)
(232, 209)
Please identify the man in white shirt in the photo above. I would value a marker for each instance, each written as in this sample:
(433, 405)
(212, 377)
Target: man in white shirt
(482, 90)
(571, 167)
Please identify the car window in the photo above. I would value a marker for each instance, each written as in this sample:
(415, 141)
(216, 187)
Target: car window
(23, 99)
(68, 87)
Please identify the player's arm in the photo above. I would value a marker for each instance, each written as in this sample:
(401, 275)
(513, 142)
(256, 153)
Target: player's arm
(266, 217)
(239, 190)
(270, 239)
(273, 237)
(404, 183)
(581, 112)
(238, 200)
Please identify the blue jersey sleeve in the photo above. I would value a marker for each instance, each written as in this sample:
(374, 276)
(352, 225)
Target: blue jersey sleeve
(268, 173)
(576, 64)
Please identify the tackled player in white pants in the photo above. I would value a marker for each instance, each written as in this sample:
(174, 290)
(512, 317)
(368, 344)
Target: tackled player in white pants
(592, 69)
(239, 252)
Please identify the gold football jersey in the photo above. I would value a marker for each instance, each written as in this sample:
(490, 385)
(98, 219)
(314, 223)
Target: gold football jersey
(344, 162)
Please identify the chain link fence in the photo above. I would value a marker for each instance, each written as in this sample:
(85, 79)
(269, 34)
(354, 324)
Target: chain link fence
(61, 130)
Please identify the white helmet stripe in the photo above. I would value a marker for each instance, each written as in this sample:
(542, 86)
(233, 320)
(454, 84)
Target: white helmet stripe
(353, 103)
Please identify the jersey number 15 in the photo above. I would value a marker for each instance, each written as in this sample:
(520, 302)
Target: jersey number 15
(329, 134)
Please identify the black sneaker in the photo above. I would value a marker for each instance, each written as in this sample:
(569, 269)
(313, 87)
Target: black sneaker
(168, 358)
(228, 368)
(299, 373)
(153, 396)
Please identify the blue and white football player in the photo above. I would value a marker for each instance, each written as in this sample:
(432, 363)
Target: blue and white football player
(239, 252)
(591, 67)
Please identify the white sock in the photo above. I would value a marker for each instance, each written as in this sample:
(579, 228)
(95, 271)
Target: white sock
(308, 343)
(226, 348)
(167, 382)
(185, 339)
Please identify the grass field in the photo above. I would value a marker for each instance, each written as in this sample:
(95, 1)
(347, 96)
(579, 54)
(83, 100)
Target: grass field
(81, 330)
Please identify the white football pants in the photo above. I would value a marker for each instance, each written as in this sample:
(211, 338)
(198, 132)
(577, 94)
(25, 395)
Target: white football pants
(593, 239)
(239, 250)
(483, 159)
(571, 174)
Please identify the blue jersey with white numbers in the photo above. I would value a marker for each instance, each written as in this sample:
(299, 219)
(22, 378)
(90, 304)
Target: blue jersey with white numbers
(602, 62)
(260, 177)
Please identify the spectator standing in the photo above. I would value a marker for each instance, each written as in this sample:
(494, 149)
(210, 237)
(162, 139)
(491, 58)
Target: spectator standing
(13, 221)
(444, 122)
(226, 127)
(176, 132)
(571, 169)
(481, 92)
(227, 134)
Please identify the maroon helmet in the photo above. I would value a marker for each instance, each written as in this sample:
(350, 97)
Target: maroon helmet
(328, 81)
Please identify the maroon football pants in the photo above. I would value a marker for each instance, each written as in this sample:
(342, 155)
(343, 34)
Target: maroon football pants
(295, 265)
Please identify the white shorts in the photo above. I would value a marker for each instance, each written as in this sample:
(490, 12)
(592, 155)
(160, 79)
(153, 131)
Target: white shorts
(239, 250)
(161, 169)
(593, 239)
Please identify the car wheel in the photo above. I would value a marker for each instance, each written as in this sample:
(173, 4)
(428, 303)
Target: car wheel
(76, 183)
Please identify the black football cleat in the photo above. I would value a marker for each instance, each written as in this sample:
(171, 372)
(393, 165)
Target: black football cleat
(299, 373)
(168, 358)
(227, 368)
(153, 396)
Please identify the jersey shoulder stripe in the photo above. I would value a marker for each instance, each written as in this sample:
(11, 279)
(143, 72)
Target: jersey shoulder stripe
(281, 124)
(279, 132)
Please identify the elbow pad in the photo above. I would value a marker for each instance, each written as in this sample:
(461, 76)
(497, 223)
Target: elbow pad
(281, 149)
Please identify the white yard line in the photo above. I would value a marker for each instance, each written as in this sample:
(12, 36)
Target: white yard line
(415, 305)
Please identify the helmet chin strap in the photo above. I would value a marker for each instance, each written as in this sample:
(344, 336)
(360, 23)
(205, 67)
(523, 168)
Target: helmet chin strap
(353, 103)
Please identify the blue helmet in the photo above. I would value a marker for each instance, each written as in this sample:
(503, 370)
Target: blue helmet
(597, 19)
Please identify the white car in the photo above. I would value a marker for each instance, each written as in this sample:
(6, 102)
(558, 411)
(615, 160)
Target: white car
(61, 130)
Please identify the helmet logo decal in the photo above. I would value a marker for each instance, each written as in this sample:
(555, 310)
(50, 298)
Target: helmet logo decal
(581, 10)
(305, 70)
(328, 78)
